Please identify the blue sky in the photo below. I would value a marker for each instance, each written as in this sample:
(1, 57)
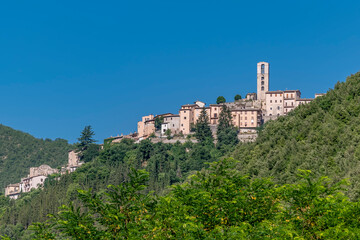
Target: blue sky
(67, 64)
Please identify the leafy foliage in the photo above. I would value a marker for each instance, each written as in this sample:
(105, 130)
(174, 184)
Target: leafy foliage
(226, 131)
(218, 203)
(220, 100)
(237, 97)
(202, 128)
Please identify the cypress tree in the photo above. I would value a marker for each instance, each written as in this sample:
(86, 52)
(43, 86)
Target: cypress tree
(202, 129)
(226, 132)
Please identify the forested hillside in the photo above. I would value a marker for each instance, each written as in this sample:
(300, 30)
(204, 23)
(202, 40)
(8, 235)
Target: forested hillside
(322, 136)
(233, 199)
(19, 151)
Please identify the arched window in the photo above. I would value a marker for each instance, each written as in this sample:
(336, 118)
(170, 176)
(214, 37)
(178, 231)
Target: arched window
(262, 88)
(262, 68)
(262, 82)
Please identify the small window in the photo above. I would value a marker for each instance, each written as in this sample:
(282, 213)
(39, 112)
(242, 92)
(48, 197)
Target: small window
(184, 117)
(270, 101)
(276, 101)
(173, 125)
(262, 88)
(182, 125)
(262, 68)
(262, 83)
(270, 95)
(280, 100)
(215, 115)
(278, 107)
(271, 108)
(292, 103)
(262, 78)
(245, 118)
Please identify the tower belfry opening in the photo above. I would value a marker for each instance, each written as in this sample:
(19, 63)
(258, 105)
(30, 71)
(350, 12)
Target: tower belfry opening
(262, 80)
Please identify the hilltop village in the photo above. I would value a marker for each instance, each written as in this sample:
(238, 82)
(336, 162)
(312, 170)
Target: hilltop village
(247, 114)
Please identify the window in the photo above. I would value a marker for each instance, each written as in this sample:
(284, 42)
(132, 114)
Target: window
(173, 125)
(275, 95)
(270, 95)
(215, 109)
(170, 118)
(182, 125)
(291, 95)
(285, 103)
(287, 95)
(271, 108)
(262, 83)
(262, 88)
(245, 118)
(292, 103)
(262, 78)
(215, 115)
(280, 100)
(184, 111)
(276, 101)
(270, 101)
(278, 107)
(184, 117)
(262, 68)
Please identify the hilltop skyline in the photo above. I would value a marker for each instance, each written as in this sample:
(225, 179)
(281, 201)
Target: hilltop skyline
(64, 66)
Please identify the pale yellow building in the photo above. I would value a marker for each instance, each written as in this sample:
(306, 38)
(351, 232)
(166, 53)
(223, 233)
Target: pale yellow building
(13, 190)
(246, 118)
(215, 110)
(146, 126)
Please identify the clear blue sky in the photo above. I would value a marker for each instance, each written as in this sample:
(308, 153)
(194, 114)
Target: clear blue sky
(67, 64)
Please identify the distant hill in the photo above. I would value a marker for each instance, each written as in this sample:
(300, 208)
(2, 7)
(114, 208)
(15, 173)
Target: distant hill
(19, 151)
(322, 136)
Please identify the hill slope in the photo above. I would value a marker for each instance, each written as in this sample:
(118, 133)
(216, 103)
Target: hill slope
(322, 136)
(19, 151)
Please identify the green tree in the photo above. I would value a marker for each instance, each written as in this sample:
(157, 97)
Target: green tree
(226, 132)
(158, 122)
(202, 129)
(220, 99)
(237, 97)
(86, 138)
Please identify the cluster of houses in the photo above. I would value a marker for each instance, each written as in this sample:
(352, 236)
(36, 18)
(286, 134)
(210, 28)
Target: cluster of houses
(37, 176)
(247, 114)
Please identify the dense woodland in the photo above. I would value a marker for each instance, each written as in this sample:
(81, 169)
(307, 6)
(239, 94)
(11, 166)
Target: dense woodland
(19, 151)
(251, 190)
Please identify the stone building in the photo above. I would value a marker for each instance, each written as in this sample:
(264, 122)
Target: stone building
(146, 126)
(34, 180)
(73, 161)
(171, 122)
(13, 190)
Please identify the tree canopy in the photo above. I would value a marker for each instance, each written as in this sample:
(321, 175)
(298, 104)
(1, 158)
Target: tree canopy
(237, 97)
(202, 128)
(220, 99)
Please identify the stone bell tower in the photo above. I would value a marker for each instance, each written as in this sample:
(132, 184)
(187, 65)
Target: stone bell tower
(262, 80)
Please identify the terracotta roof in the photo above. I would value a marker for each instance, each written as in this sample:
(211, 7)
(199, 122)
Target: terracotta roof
(270, 92)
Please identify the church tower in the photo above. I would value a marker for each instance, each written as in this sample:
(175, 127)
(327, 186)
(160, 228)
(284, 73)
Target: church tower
(262, 80)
